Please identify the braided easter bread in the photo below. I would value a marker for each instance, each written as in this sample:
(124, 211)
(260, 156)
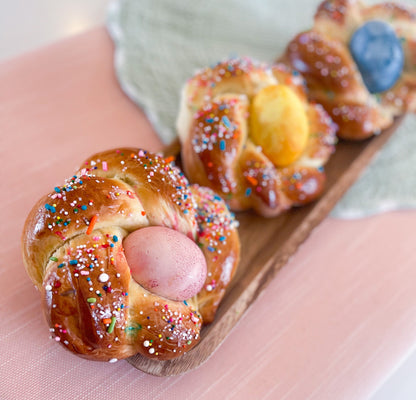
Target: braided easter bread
(248, 132)
(360, 63)
(75, 244)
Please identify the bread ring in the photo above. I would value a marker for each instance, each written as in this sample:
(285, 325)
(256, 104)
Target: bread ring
(338, 79)
(248, 132)
(73, 251)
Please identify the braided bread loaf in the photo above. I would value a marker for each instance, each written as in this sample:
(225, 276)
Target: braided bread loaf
(248, 132)
(73, 251)
(336, 67)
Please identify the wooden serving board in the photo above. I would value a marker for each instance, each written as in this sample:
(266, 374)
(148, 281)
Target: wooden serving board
(266, 245)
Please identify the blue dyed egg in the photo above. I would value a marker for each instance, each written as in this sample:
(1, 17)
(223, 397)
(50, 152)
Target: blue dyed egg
(379, 55)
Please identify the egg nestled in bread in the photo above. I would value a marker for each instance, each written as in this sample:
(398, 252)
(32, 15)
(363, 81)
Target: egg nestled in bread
(248, 131)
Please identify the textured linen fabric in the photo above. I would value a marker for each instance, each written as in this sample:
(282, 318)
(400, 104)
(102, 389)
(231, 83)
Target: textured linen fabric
(161, 43)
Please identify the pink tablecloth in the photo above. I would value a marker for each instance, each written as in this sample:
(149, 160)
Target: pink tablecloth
(334, 323)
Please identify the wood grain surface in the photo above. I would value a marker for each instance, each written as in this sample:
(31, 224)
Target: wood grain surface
(267, 244)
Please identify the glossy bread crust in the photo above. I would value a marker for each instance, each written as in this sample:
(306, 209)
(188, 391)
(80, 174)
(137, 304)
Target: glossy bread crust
(217, 149)
(322, 56)
(73, 252)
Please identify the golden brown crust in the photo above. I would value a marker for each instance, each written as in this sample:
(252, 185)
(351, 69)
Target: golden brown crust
(261, 184)
(220, 245)
(325, 63)
(78, 305)
(228, 136)
(236, 76)
(72, 248)
(155, 183)
(392, 11)
(301, 185)
(337, 11)
(217, 150)
(68, 211)
(322, 56)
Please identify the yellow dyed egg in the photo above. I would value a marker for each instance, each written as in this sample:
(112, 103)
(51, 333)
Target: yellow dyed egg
(279, 124)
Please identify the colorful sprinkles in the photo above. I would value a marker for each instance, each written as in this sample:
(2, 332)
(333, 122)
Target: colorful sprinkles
(215, 222)
(220, 131)
(92, 263)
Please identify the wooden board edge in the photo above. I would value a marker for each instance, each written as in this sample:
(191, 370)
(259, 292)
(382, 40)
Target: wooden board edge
(223, 326)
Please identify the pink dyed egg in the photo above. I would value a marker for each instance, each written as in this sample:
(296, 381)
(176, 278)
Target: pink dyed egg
(165, 262)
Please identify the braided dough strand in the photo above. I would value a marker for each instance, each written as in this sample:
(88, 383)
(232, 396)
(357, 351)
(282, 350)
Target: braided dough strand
(323, 57)
(73, 252)
(218, 150)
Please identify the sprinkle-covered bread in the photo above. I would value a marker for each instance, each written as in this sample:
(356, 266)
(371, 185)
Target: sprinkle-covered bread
(359, 62)
(74, 249)
(248, 132)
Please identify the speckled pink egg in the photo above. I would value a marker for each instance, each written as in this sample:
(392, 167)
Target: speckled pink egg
(165, 262)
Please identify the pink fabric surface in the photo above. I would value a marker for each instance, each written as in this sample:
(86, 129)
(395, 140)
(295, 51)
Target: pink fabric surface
(333, 324)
